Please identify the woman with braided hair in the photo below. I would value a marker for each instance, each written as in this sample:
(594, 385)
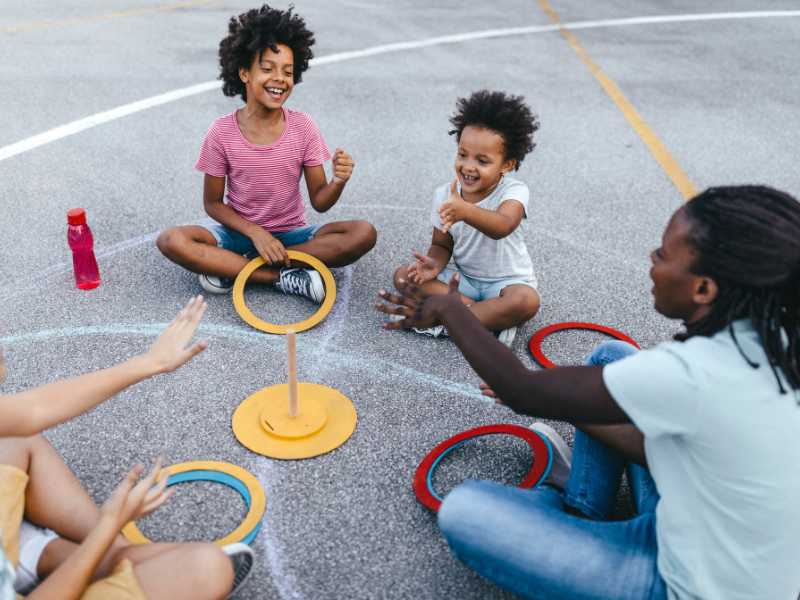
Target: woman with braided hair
(708, 426)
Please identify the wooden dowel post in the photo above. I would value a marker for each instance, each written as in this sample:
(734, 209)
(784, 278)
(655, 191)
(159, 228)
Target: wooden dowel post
(291, 352)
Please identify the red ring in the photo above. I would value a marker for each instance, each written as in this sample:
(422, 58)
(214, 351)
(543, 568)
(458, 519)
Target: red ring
(535, 345)
(538, 467)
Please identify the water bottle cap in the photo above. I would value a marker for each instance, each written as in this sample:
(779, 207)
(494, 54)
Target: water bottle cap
(76, 216)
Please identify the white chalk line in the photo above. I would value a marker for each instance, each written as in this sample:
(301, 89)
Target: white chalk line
(85, 123)
(339, 358)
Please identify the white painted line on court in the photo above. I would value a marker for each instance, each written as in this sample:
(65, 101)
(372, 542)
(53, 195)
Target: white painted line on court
(74, 127)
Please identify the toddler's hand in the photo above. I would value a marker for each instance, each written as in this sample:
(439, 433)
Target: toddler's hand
(133, 498)
(342, 166)
(423, 269)
(454, 209)
(270, 248)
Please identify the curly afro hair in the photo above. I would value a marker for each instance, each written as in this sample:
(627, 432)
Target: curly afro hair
(507, 115)
(251, 33)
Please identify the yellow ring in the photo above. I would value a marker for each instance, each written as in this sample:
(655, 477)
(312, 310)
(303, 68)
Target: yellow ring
(258, 500)
(252, 320)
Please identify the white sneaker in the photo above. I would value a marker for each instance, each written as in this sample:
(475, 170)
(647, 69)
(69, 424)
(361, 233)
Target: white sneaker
(302, 282)
(562, 455)
(434, 332)
(507, 336)
(215, 285)
(242, 557)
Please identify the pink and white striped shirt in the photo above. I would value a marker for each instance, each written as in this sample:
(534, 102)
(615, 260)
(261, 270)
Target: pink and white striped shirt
(264, 181)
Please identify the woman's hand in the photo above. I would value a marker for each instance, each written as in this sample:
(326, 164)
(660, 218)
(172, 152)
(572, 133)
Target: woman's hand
(170, 350)
(418, 311)
(134, 497)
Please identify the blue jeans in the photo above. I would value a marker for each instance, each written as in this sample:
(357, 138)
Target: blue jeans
(525, 541)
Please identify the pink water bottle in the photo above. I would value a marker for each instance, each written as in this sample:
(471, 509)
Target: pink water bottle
(79, 237)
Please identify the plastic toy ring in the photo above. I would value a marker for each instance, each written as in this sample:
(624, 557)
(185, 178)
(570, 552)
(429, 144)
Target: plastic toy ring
(219, 472)
(247, 315)
(540, 468)
(535, 345)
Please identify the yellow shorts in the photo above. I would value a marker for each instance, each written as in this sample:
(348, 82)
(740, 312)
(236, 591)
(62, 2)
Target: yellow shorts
(120, 585)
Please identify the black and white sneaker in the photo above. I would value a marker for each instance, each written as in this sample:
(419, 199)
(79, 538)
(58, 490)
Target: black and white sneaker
(215, 285)
(302, 282)
(507, 336)
(562, 455)
(242, 557)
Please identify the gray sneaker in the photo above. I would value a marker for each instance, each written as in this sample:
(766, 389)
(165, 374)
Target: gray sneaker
(215, 285)
(302, 282)
(242, 557)
(434, 332)
(506, 337)
(562, 455)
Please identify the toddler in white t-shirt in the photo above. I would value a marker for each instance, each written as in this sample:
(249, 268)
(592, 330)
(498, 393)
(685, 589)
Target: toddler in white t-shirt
(476, 218)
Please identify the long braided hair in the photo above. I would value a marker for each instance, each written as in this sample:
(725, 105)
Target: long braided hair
(748, 240)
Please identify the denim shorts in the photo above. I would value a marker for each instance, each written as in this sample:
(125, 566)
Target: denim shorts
(483, 289)
(232, 240)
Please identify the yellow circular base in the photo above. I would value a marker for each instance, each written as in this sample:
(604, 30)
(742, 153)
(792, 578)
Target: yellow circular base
(247, 315)
(275, 417)
(337, 429)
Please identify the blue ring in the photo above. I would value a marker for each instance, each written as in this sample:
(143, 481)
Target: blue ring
(429, 476)
(224, 479)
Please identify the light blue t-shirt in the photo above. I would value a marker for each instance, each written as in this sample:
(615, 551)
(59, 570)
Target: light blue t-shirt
(723, 446)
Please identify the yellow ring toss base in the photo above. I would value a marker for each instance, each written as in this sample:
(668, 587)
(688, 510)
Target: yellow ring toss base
(221, 472)
(251, 319)
(326, 420)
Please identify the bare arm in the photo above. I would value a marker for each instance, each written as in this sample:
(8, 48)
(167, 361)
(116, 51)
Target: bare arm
(322, 193)
(132, 498)
(574, 394)
(427, 268)
(32, 411)
(496, 224)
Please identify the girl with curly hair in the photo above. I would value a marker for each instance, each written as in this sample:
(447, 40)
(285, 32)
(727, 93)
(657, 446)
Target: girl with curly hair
(476, 218)
(260, 152)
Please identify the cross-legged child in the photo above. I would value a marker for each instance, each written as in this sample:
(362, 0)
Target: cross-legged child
(259, 152)
(476, 218)
(55, 543)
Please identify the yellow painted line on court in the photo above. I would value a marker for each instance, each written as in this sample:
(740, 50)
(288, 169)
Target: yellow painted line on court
(105, 17)
(657, 148)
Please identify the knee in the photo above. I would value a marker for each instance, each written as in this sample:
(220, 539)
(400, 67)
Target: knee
(212, 568)
(610, 351)
(19, 451)
(170, 241)
(457, 512)
(524, 306)
(400, 275)
(364, 236)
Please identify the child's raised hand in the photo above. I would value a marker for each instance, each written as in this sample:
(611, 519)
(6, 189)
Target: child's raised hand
(171, 349)
(342, 166)
(453, 209)
(134, 498)
(423, 269)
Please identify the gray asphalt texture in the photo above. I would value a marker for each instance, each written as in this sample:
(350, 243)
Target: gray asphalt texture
(722, 95)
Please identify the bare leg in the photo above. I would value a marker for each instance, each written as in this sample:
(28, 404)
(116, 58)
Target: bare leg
(195, 248)
(189, 571)
(340, 243)
(625, 439)
(71, 513)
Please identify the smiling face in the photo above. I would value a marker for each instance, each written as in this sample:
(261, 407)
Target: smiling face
(480, 161)
(270, 79)
(678, 292)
